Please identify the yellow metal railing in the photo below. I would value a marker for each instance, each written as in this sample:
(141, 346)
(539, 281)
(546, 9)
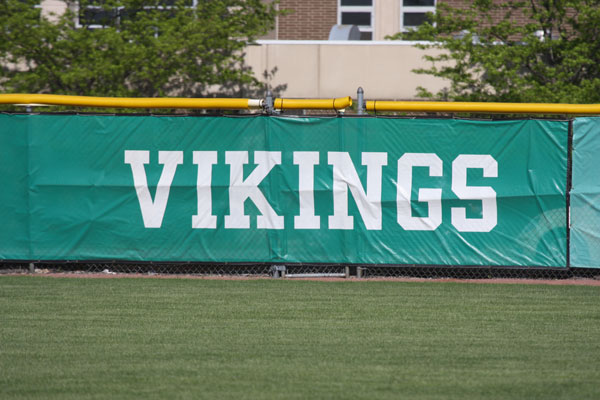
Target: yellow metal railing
(128, 102)
(500, 108)
(173, 102)
(297, 104)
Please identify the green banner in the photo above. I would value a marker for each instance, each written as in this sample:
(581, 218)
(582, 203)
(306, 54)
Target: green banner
(274, 189)
(585, 194)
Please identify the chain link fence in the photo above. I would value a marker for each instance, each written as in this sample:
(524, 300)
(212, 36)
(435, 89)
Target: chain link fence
(303, 270)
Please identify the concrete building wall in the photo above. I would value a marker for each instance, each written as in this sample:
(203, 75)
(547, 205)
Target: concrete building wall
(387, 18)
(51, 9)
(332, 69)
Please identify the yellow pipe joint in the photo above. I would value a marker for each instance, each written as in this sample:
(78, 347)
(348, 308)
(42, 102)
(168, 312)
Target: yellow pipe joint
(466, 107)
(313, 104)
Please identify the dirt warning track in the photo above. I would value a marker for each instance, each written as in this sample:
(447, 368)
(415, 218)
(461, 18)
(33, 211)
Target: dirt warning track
(114, 275)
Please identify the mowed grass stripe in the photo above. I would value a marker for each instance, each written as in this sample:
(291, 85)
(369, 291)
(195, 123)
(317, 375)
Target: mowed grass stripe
(177, 338)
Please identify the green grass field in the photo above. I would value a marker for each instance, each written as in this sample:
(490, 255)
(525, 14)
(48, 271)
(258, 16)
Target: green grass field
(177, 338)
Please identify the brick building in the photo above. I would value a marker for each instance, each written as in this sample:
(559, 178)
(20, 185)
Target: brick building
(313, 19)
(376, 19)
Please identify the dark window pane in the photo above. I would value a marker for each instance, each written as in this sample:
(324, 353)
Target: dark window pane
(187, 3)
(357, 2)
(128, 14)
(356, 18)
(414, 19)
(168, 13)
(96, 16)
(159, 3)
(366, 36)
(419, 3)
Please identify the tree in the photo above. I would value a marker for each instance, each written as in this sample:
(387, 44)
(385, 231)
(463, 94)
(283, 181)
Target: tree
(131, 47)
(545, 51)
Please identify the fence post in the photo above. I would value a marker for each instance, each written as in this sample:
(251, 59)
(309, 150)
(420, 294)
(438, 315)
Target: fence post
(31, 268)
(269, 106)
(360, 99)
(278, 271)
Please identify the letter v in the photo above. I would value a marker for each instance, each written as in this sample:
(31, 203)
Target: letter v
(153, 211)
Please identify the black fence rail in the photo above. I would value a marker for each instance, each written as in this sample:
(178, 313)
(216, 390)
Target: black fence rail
(304, 270)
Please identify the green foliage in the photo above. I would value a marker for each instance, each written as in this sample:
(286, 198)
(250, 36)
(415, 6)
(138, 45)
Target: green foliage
(488, 55)
(131, 47)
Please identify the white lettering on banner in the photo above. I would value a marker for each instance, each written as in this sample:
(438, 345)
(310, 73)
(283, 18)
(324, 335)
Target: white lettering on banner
(433, 197)
(345, 176)
(306, 161)
(241, 189)
(204, 219)
(487, 195)
(153, 211)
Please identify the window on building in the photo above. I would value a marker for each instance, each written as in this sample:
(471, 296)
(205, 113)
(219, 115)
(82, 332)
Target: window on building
(359, 13)
(94, 15)
(414, 13)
